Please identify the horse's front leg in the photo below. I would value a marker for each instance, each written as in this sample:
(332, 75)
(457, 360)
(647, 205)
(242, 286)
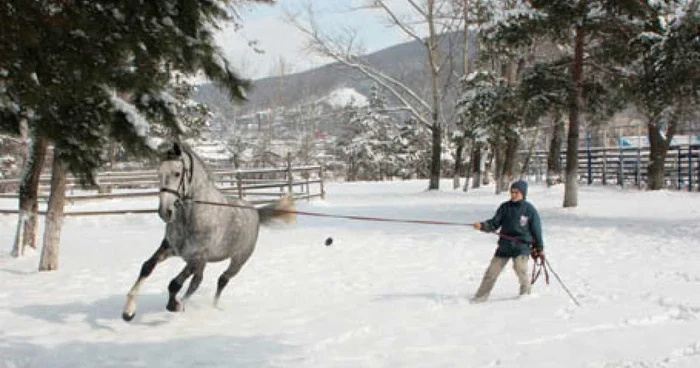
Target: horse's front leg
(161, 254)
(195, 268)
(175, 285)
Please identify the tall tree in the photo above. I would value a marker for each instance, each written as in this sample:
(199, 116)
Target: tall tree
(99, 70)
(578, 26)
(438, 18)
(545, 88)
(657, 68)
(367, 141)
(490, 111)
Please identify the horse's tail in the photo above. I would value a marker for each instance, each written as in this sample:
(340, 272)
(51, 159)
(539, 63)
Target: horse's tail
(282, 209)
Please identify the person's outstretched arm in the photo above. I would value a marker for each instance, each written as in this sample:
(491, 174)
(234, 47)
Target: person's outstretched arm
(493, 224)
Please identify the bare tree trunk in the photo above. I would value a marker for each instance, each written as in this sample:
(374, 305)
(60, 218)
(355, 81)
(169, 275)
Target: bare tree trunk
(487, 168)
(458, 163)
(436, 113)
(657, 157)
(553, 167)
(468, 171)
(477, 164)
(571, 185)
(112, 153)
(499, 161)
(466, 65)
(528, 158)
(24, 139)
(435, 162)
(54, 216)
(428, 114)
(509, 159)
(352, 169)
(658, 148)
(26, 233)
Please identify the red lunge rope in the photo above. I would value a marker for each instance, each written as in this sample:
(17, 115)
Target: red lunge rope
(360, 218)
(544, 263)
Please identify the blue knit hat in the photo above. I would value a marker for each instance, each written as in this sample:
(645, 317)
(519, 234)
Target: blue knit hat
(520, 185)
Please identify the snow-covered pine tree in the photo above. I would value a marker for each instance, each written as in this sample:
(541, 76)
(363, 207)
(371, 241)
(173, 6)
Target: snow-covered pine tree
(368, 139)
(412, 145)
(72, 66)
(577, 26)
(489, 111)
(545, 89)
(655, 62)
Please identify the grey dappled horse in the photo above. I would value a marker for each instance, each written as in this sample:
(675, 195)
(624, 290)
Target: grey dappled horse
(200, 233)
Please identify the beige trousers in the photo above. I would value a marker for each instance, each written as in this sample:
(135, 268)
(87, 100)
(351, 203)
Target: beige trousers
(495, 268)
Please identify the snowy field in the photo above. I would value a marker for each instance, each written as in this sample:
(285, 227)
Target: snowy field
(382, 295)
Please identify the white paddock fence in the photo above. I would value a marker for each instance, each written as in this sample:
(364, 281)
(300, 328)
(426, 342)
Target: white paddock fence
(258, 186)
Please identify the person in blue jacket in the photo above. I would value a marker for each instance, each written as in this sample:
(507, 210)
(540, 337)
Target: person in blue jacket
(517, 219)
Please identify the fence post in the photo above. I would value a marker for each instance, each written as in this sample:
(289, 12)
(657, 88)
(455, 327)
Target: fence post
(605, 166)
(690, 168)
(323, 190)
(239, 185)
(620, 168)
(290, 178)
(680, 171)
(561, 163)
(698, 168)
(588, 158)
(638, 174)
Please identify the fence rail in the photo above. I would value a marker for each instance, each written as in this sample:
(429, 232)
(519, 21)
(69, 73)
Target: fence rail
(301, 182)
(627, 166)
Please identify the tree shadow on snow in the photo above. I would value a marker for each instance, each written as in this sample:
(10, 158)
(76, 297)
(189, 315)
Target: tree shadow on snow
(633, 226)
(200, 351)
(117, 348)
(433, 297)
(97, 314)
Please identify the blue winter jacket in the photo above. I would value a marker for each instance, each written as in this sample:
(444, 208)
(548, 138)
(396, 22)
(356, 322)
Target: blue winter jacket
(518, 220)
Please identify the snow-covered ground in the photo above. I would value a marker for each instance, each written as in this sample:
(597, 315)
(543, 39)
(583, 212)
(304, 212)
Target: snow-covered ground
(382, 295)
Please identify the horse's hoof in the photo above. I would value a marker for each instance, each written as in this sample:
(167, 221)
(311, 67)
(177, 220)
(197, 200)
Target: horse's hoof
(174, 306)
(128, 317)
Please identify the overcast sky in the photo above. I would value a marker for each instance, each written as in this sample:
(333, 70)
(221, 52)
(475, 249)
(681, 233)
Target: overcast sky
(266, 25)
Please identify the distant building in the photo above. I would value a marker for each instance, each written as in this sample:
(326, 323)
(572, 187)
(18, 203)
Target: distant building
(634, 141)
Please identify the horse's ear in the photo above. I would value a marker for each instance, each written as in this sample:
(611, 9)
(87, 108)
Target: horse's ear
(174, 153)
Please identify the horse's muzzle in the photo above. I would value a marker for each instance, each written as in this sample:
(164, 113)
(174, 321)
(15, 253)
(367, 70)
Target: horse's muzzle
(166, 214)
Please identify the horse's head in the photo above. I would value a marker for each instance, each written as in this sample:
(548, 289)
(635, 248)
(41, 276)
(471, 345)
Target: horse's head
(175, 176)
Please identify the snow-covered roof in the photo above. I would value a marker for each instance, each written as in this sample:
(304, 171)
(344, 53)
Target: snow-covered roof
(345, 96)
(643, 141)
(213, 150)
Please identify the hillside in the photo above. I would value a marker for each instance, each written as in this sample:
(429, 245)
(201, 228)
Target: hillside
(404, 61)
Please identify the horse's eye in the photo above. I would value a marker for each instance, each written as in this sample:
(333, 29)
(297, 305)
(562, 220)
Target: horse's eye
(177, 174)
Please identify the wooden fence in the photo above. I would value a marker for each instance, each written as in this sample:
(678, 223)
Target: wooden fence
(627, 166)
(258, 186)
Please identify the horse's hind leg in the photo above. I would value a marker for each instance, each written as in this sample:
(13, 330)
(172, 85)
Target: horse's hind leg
(231, 271)
(162, 253)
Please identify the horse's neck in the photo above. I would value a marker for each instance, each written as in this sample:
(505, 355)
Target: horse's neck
(204, 189)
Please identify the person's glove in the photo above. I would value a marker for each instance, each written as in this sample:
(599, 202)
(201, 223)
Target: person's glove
(537, 254)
